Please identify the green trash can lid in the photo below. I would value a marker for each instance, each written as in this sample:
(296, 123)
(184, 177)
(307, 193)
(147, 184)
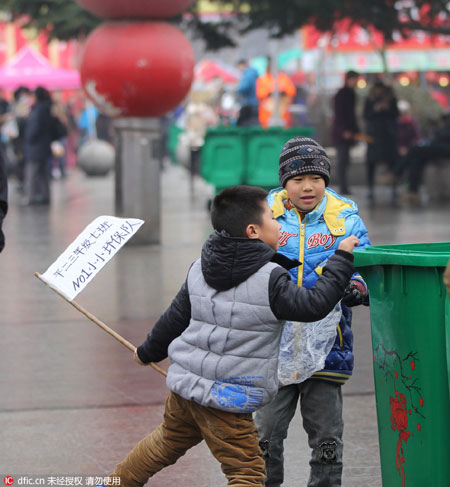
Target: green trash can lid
(435, 254)
(298, 131)
(224, 130)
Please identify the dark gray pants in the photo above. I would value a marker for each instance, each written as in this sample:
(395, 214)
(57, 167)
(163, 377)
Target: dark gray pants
(343, 166)
(321, 408)
(37, 182)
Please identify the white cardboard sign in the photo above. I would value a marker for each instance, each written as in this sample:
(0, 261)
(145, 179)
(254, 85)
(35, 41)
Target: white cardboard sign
(89, 253)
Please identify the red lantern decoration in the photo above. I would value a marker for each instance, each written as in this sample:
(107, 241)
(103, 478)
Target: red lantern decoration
(137, 69)
(131, 9)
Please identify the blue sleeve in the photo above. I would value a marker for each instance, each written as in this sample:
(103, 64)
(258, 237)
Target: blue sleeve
(82, 121)
(244, 85)
(355, 226)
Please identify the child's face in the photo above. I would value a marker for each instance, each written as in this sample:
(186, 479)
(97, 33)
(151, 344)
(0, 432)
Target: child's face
(305, 192)
(269, 229)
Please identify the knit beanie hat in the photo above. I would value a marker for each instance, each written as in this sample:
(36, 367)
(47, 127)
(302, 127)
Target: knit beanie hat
(302, 155)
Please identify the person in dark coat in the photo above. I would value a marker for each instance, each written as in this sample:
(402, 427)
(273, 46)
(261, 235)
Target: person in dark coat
(345, 127)
(4, 108)
(417, 158)
(38, 137)
(3, 199)
(381, 113)
(408, 133)
(21, 110)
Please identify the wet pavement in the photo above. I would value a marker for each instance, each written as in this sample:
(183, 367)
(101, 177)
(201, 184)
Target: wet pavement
(72, 400)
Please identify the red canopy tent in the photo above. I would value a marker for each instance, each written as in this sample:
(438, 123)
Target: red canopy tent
(31, 69)
(207, 70)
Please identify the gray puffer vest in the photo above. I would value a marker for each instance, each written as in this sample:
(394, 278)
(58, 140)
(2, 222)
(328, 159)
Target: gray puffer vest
(227, 357)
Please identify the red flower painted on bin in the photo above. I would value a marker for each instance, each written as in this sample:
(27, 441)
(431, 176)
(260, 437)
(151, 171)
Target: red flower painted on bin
(399, 422)
(407, 395)
(399, 413)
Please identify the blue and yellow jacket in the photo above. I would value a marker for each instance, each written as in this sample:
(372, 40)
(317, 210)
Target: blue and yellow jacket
(313, 241)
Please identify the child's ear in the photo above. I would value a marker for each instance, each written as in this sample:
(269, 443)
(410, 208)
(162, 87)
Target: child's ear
(252, 231)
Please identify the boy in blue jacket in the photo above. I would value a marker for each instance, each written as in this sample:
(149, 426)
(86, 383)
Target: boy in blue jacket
(314, 219)
(222, 334)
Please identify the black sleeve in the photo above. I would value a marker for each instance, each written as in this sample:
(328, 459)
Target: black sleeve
(291, 302)
(339, 106)
(368, 111)
(33, 127)
(38, 123)
(170, 325)
(393, 108)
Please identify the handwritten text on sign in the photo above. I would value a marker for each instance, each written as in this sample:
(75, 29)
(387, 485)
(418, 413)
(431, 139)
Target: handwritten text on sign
(88, 253)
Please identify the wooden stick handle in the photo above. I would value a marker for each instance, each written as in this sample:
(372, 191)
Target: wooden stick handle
(363, 138)
(102, 325)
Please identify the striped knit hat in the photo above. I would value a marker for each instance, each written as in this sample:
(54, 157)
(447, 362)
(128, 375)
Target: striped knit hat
(302, 155)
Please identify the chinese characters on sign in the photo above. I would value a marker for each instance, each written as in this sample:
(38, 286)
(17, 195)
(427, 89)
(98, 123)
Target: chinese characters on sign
(62, 481)
(88, 254)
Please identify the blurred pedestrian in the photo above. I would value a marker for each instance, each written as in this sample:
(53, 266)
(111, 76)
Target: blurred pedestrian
(345, 127)
(104, 126)
(38, 137)
(21, 109)
(380, 114)
(4, 104)
(408, 135)
(199, 116)
(87, 122)
(3, 199)
(419, 156)
(60, 130)
(246, 89)
(4, 117)
(266, 88)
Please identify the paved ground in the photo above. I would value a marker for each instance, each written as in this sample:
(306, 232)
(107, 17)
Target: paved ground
(73, 402)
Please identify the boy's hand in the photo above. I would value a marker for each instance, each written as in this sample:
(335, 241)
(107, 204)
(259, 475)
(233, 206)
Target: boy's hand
(137, 359)
(349, 243)
(355, 294)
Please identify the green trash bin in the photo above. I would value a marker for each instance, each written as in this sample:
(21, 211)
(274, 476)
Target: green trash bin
(410, 337)
(263, 153)
(223, 156)
(245, 155)
(292, 132)
(173, 135)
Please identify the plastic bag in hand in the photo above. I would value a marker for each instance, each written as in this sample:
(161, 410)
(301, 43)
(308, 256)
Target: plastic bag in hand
(304, 347)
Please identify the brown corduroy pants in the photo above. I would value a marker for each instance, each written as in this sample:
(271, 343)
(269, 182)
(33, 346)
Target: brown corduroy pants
(231, 437)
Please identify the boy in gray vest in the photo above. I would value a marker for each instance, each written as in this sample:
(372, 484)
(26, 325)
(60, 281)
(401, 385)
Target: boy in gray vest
(222, 334)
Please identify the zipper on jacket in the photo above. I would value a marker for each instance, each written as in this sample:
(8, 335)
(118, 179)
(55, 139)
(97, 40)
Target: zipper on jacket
(341, 339)
(301, 249)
